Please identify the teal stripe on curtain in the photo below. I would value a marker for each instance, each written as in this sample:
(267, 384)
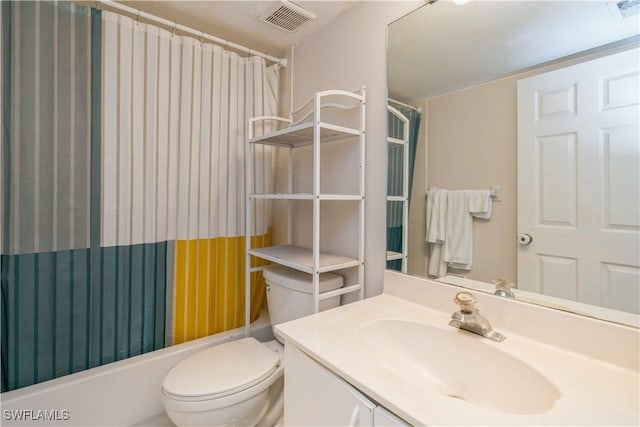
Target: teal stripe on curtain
(414, 131)
(57, 320)
(96, 128)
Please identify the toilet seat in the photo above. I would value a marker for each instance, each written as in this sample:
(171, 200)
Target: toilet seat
(221, 371)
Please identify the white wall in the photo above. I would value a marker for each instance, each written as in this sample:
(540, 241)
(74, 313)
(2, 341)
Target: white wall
(347, 54)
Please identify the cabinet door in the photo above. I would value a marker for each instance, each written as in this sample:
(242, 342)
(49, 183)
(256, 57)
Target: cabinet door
(384, 418)
(315, 396)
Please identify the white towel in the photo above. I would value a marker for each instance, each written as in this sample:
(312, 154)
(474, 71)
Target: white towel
(430, 219)
(437, 264)
(436, 230)
(480, 203)
(462, 206)
(436, 215)
(459, 229)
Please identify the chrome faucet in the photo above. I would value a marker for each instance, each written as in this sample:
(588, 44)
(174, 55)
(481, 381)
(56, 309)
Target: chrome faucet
(470, 319)
(503, 288)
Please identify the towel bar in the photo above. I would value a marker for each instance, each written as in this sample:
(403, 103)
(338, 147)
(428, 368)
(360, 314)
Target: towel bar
(496, 192)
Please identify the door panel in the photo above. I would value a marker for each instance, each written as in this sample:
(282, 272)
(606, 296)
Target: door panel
(558, 276)
(621, 91)
(621, 286)
(621, 165)
(556, 160)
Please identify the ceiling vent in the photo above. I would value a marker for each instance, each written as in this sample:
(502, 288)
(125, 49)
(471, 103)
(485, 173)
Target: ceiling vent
(287, 16)
(622, 9)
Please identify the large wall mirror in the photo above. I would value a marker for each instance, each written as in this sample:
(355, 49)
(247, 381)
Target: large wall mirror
(516, 125)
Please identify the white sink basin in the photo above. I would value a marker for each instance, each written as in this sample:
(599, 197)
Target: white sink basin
(459, 365)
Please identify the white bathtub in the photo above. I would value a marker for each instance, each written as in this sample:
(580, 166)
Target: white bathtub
(122, 393)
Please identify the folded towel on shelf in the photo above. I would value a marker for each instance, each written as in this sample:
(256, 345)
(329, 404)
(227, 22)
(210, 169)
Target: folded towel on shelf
(436, 230)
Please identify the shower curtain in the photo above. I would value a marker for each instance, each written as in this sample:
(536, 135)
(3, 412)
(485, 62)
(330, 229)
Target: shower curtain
(122, 188)
(395, 171)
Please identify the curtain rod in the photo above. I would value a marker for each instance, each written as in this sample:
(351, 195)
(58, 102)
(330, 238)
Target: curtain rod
(411, 107)
(200, 34)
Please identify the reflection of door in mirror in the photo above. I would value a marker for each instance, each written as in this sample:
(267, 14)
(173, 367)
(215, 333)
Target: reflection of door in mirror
(579, 182)
(403, 123)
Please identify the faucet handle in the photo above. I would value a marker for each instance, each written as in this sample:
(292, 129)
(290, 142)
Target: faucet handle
(467, 302)
(503, 288)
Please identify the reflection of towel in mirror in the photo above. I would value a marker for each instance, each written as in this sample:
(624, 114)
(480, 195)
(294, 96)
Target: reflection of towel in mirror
(436, 230)
(462, 206)
(480, 203)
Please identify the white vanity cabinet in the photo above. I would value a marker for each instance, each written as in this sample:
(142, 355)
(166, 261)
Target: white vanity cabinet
(384, 418)
(315, 396)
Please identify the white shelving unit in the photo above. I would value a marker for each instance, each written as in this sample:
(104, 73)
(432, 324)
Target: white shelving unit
(310, 129)
(404, 197)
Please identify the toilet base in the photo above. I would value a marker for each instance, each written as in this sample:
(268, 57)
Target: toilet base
(245, 413)
(275, 414)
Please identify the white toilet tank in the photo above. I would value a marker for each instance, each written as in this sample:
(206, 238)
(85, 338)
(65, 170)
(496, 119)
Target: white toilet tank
(290, 292)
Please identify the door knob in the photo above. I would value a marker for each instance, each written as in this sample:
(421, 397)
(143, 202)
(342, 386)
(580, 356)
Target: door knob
(525, 239)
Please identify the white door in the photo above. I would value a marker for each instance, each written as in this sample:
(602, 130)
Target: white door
(579, 182)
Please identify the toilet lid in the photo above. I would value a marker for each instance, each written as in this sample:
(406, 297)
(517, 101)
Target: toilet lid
(221, 370)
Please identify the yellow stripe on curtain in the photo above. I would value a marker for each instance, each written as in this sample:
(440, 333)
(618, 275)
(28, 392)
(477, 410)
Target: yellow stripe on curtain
(209, 285)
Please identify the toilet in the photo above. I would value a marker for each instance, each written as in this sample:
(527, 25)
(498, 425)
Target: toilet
(240, 383)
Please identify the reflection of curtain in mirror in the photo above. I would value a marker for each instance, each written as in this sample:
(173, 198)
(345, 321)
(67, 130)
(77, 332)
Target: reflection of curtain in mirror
(395, 177)
(121, 184)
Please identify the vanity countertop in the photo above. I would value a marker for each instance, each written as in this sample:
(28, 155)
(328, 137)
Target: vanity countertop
(590, 390)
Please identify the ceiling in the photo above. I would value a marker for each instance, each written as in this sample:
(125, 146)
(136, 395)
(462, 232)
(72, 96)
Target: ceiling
(443, 47)
(237, 21)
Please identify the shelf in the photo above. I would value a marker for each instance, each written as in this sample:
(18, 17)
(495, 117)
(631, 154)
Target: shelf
(396, 199)
(392, 256)
(311, 131)
(304, 196)
(302, 135)
(302, 258)
(339, 291)
(396, 141)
